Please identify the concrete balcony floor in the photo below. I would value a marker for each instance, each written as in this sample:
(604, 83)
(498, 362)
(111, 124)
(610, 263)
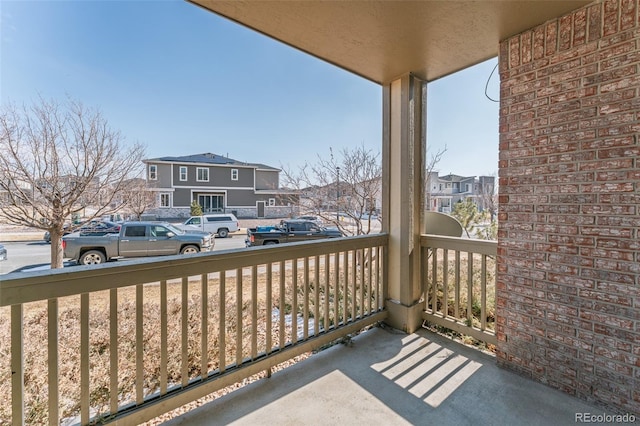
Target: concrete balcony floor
(385, 377)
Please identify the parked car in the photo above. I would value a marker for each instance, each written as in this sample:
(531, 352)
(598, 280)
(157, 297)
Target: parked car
(220, 224)
(289, 231)
(136, 239)
(3, 252)
(98, 228)
(93, 228)
(65, 231)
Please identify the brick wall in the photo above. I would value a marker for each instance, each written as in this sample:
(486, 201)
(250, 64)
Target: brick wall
(569, 262)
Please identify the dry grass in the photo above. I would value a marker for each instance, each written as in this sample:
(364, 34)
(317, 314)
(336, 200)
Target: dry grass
(460, 305)
(69, 312)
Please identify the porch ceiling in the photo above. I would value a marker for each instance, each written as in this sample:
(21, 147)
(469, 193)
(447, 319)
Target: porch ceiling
(381, 40)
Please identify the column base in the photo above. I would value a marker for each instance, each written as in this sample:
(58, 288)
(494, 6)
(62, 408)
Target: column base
(405, 318)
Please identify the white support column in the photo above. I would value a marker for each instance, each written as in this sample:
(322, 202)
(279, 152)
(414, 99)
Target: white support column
(403, 165)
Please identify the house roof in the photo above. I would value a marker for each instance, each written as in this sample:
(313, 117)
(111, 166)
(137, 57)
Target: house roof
(382, 40)
(456, 178)
(209, 158)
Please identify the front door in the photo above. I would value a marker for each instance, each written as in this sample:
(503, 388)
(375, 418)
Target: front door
(260, 208)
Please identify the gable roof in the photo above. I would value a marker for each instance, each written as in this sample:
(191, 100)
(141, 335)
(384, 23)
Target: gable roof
(209, 158)
(456, 178)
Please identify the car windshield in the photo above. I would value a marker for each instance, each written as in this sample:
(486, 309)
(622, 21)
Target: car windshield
(174, 229)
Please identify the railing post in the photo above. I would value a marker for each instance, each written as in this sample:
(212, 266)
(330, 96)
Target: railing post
(403, 164)
(17, 366)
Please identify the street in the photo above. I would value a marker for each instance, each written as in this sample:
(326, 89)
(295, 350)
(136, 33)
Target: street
(26, 253)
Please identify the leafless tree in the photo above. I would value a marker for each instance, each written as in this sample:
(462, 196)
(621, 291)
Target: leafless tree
(138, 197)
(59, 159)
(433, 160)
(343, 190)
(488, 196)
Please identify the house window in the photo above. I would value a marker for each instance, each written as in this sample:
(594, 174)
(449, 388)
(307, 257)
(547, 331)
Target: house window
(234, 174)
(165, 199)
(202, 174)
(183, 173)
(272, 202)
(153, 172)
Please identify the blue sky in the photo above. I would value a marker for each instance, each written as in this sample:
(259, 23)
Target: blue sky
(182, 81)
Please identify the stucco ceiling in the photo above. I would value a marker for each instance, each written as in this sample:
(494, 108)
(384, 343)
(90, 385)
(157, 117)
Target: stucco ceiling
(381, 40)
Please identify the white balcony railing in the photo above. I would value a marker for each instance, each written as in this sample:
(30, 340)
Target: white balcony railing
(131, 340)
(459, 282)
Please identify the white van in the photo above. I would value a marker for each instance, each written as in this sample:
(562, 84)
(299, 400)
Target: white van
(220, 224)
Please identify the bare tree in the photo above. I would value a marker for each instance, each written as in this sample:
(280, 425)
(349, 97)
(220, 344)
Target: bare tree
(342, 190)
(433, 160)
(138, 197)
(488, 197)
(57, 160)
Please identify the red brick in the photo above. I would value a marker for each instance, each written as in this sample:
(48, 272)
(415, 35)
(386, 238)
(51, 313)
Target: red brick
(608, 187)
(627, 55)
(620, 278)
(619, 152)
(621, 141)
(607, 254)
(514, 52)
(551, 38)
(566, 32)
(613, 74)
(538, 42)
(503, 60)
(628, 14)
(612, 243)
(610, 19)
(580, 27)
(607, 232)
(618, 163)
(594, 27)
(527, 47)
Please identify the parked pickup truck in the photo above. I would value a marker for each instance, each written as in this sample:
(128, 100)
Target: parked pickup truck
(220, 224)
(289, 231)
(136, 239)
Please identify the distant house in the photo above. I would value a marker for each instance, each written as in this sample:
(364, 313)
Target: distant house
(444, 191)
(362, 198)
(218, 184)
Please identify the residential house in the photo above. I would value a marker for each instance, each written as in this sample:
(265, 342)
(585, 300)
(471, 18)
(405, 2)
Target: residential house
(442, 192)
(218, 184)
(14, 191)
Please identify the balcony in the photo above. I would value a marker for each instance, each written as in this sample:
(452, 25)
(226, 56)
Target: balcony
(176, 340)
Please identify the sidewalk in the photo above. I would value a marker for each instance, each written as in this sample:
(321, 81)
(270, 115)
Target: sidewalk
(15, 236)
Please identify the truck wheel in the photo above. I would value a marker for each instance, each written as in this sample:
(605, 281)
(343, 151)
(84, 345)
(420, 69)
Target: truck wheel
(223, 232)
(268, 243)
(93, 257)
(189, 250)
